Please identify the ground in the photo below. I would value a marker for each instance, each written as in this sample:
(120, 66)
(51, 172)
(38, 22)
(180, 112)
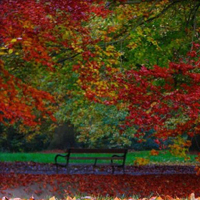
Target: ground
(23, 180)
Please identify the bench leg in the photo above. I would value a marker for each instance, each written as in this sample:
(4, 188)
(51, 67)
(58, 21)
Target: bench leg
(123, 169)
(68, 170)
(56, 169)
(113, 169)
(95, 162)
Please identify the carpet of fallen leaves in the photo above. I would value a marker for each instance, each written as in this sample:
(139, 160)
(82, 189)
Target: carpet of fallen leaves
(20, 179)
(104, 185)
(190, 197)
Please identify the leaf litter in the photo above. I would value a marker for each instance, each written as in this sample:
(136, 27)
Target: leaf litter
(42, 181)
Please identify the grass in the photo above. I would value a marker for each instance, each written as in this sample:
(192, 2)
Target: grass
(164, 157)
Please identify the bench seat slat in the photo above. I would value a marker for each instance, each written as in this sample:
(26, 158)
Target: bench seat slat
(89, 164)
(97, 151)
(98, 158)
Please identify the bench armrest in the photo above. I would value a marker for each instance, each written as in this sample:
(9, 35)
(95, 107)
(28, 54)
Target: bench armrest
(60, 155)
(113, 157)
(123, 156)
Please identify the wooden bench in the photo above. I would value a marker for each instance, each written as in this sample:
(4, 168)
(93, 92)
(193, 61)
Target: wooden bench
(115, 155)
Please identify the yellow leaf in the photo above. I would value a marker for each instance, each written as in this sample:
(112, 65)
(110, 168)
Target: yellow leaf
(120, 17)
(68, 198)
(79, 50)
(126, 86)
(153, 152)
(132, 45)
(13, 40)
(153, 198)
(52, 198)
(110, 48)
(141, 161)
(67, 35)
(148, 111)
(169, 197)
(2, 53)
(153, 104)
(10, 51)
(139, 31)
(108, 53)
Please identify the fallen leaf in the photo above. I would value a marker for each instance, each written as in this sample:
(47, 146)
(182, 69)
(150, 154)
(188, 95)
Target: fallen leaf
(52, 198)
(191, 196)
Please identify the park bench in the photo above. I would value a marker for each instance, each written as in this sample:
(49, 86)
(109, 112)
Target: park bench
(112, 155)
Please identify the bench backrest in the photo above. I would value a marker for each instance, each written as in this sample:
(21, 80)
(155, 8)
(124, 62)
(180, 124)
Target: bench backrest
(124, 151)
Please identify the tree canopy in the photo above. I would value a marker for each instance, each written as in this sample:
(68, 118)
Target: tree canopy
(115, 69)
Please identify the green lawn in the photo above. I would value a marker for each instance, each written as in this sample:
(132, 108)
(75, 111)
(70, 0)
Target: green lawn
(164, 157)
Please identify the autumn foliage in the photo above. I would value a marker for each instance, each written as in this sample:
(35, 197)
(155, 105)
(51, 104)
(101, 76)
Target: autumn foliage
(36, 32)
(19, 100)
(158, 95)
(129, 55)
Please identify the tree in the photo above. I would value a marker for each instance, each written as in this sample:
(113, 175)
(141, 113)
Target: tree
(126, 56)
(38, 35)
(161, 98)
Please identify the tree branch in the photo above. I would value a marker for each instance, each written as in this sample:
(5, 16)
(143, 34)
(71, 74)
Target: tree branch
(68, 58)
(141, 21)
